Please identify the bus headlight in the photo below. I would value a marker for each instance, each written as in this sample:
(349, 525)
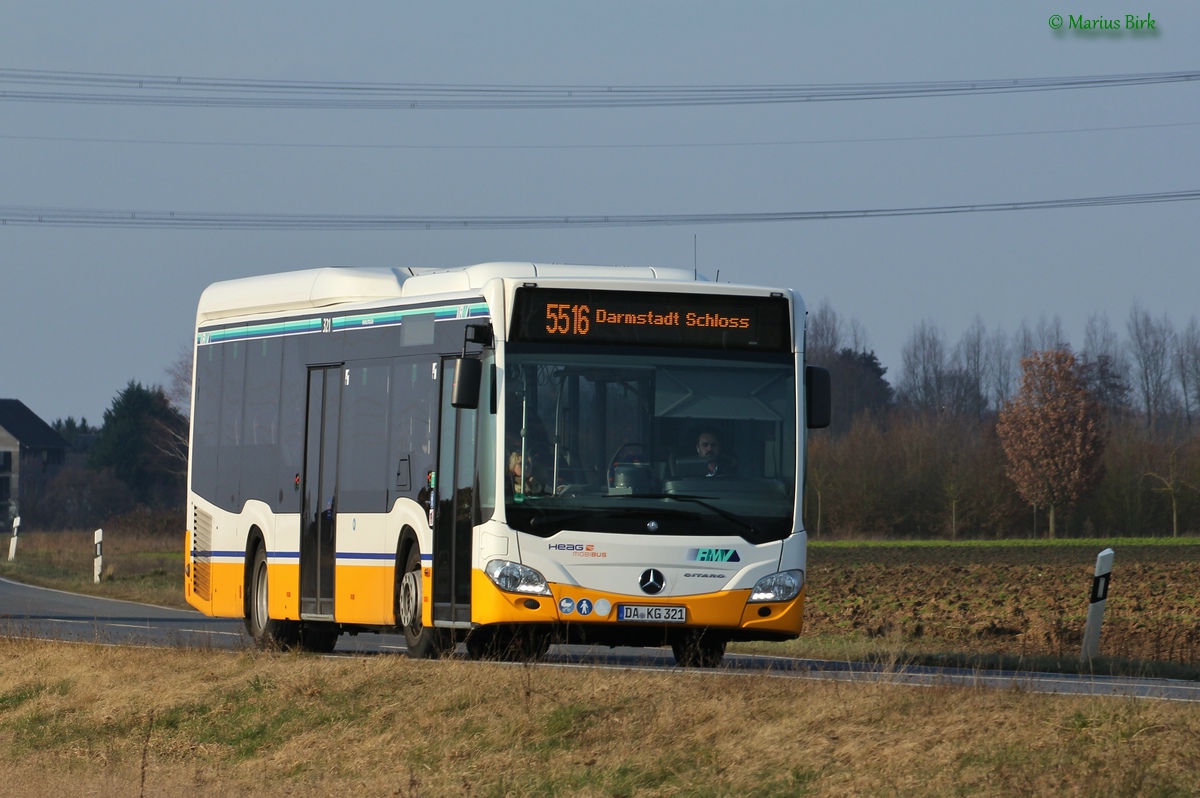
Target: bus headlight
(782, 586)
(516, 578)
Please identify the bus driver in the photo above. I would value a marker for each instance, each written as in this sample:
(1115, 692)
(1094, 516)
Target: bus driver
(708, 448)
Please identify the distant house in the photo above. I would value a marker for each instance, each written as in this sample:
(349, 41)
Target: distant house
(31, 452)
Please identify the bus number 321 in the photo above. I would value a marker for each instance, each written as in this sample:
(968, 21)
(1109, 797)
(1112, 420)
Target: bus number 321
(567, 318)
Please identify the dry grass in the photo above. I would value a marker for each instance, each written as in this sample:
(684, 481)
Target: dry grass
(88, 720)
(143, 559)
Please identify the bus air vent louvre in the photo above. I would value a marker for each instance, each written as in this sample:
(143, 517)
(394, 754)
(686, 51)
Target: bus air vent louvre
(202, 561)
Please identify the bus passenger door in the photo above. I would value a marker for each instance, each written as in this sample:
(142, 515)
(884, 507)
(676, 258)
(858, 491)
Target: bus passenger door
(454, 516)
(318, 519)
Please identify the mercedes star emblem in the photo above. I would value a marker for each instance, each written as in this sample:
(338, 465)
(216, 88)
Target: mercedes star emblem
(652, 581)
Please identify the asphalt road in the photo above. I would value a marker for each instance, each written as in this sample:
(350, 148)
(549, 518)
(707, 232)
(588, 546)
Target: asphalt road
(41, 613)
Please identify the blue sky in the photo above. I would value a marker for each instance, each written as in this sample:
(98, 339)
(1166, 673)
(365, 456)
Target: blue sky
(86, 310)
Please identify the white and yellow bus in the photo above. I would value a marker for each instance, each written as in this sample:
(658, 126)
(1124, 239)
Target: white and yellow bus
(503, 455)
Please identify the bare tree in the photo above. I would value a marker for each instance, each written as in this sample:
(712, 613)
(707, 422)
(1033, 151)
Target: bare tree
(1150, 343)
(1049, 334)
(1187, 368)
(859, 340)
(179, 381)
(1170, 479)
(1001, 368)
(923, 385)
(1105, 364)
(825, 334)
(1099, 338)
(971, 360)
(171, 440)
(1023, 341)
(1052, 433)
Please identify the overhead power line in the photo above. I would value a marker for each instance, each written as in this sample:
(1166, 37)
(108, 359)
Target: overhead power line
(73, 217)
(30, 85)
(628, 146)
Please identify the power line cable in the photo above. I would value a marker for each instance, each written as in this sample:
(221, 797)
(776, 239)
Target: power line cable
(661, 145)
(88, 218)
(159, 90)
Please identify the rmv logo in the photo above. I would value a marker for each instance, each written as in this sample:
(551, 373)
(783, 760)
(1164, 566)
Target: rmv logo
(714, 555)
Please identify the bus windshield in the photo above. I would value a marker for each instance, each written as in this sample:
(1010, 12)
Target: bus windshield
(642, 441)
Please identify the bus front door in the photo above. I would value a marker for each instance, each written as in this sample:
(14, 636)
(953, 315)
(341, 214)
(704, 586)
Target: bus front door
(454, 517)
(318, 528)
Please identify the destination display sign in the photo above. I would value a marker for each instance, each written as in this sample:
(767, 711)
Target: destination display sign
(651, 319)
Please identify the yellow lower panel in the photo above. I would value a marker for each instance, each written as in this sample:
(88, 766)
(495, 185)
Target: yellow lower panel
(227, 590)
(427, 591)
(363, 594)
(784, 616)
(726, 609)
(203, 605)
(490, 604)
(283, 591)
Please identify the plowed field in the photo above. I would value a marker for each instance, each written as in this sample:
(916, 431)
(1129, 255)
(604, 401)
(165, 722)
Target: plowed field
(1023, 600)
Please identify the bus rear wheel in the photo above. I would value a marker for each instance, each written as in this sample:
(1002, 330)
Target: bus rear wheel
(267, 632)
(422, 642)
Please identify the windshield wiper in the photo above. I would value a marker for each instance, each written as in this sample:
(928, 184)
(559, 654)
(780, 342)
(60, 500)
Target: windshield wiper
(703, 502)
(547, 517)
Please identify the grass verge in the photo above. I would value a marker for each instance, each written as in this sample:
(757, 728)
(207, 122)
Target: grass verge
(91, 720)
(143, 560)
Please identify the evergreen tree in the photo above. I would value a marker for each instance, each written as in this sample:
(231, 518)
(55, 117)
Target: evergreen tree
(70, 430)
(858, 386)
(136, 443)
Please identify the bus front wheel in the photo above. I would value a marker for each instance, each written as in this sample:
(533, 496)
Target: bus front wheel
(422, 641)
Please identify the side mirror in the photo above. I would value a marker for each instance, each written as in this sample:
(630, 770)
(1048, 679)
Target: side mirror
(468, 374)
(818, 398)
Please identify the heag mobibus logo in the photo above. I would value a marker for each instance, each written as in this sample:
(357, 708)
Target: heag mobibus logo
(578, 549)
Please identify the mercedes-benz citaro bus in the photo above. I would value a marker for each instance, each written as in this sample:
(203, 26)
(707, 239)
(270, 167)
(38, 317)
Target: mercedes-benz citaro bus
(505, 455)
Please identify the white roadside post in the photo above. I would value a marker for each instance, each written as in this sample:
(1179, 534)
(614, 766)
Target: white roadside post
(1091, 632)
(99, 566)
(12, 543)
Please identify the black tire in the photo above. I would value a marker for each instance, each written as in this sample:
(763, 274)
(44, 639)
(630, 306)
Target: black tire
(486, 643)
(319, 638)
(696, 650)
(267, 632)
(506, 644)
(422, 642)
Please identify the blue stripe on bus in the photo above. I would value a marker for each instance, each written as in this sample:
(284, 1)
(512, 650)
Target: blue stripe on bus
(295, 555)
